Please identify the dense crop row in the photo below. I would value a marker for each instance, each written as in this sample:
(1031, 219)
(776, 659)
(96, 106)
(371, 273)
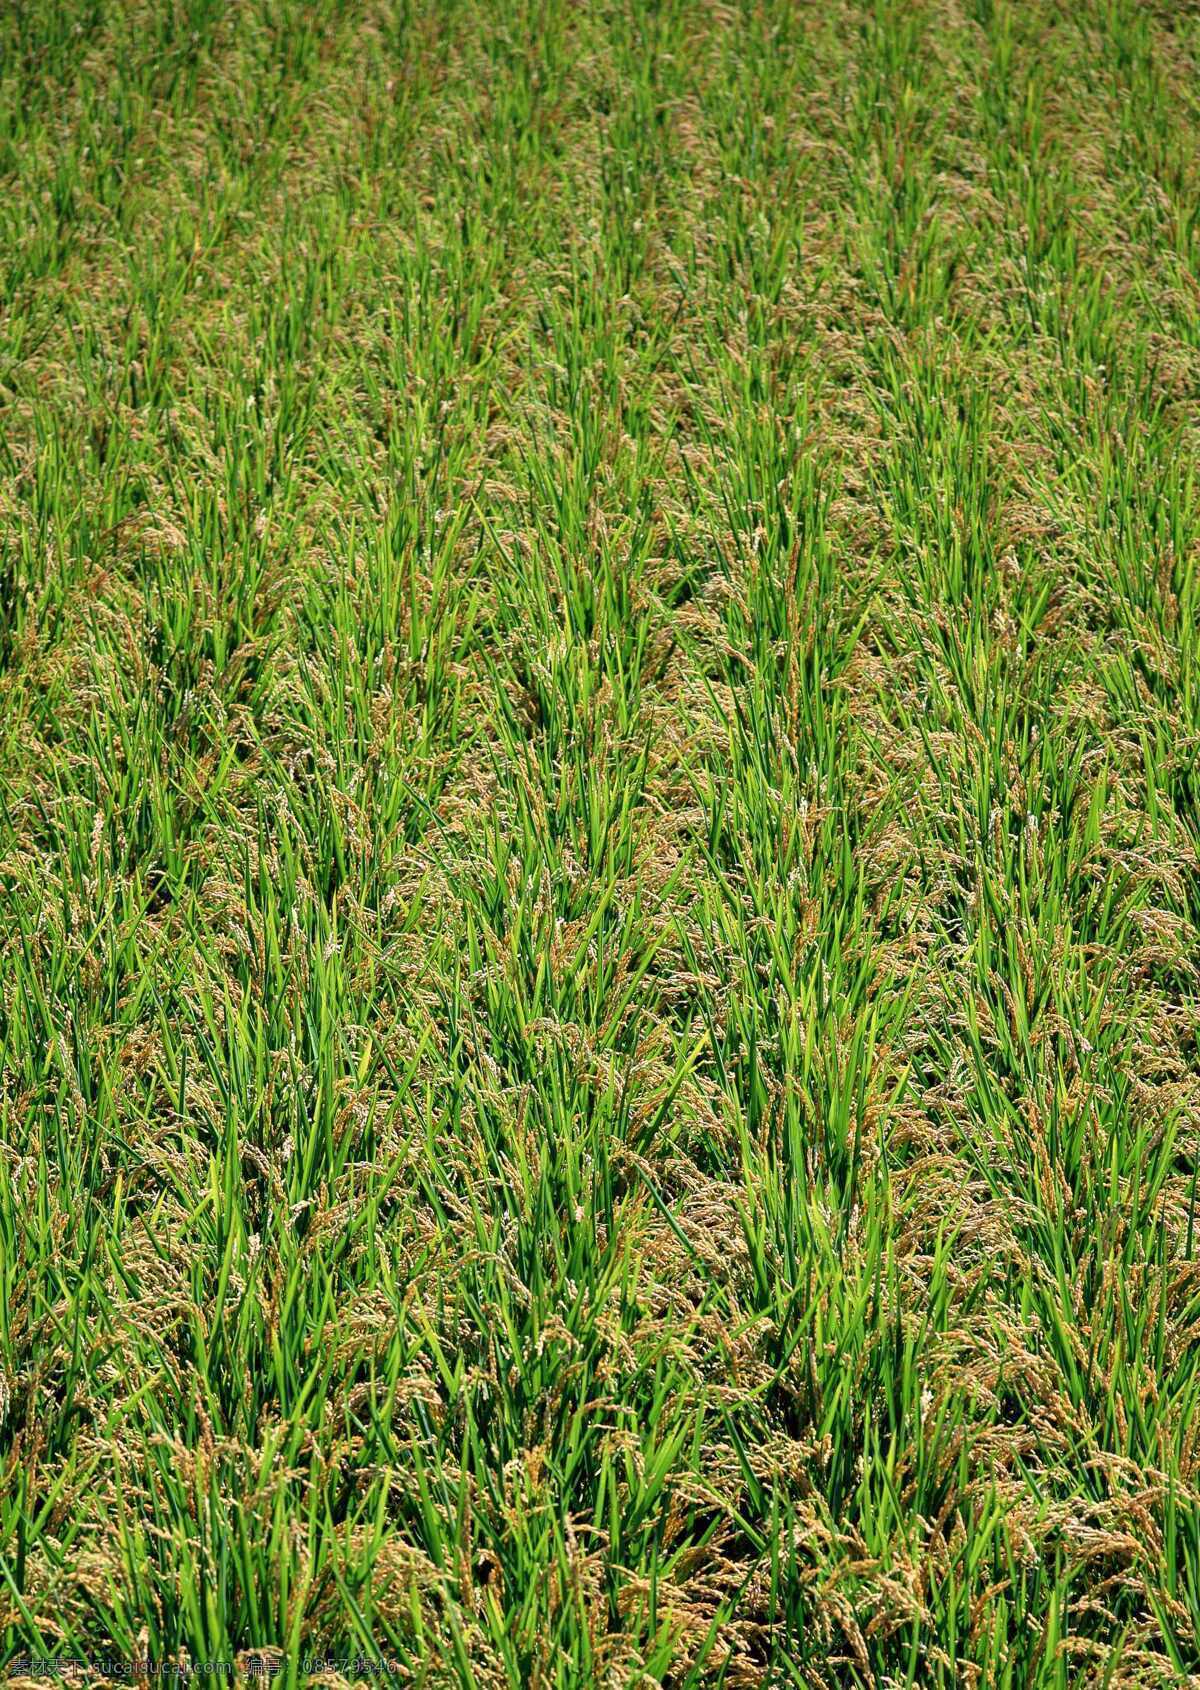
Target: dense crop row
(599, 715)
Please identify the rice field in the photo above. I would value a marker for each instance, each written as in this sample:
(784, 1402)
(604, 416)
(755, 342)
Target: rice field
(599, 824)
